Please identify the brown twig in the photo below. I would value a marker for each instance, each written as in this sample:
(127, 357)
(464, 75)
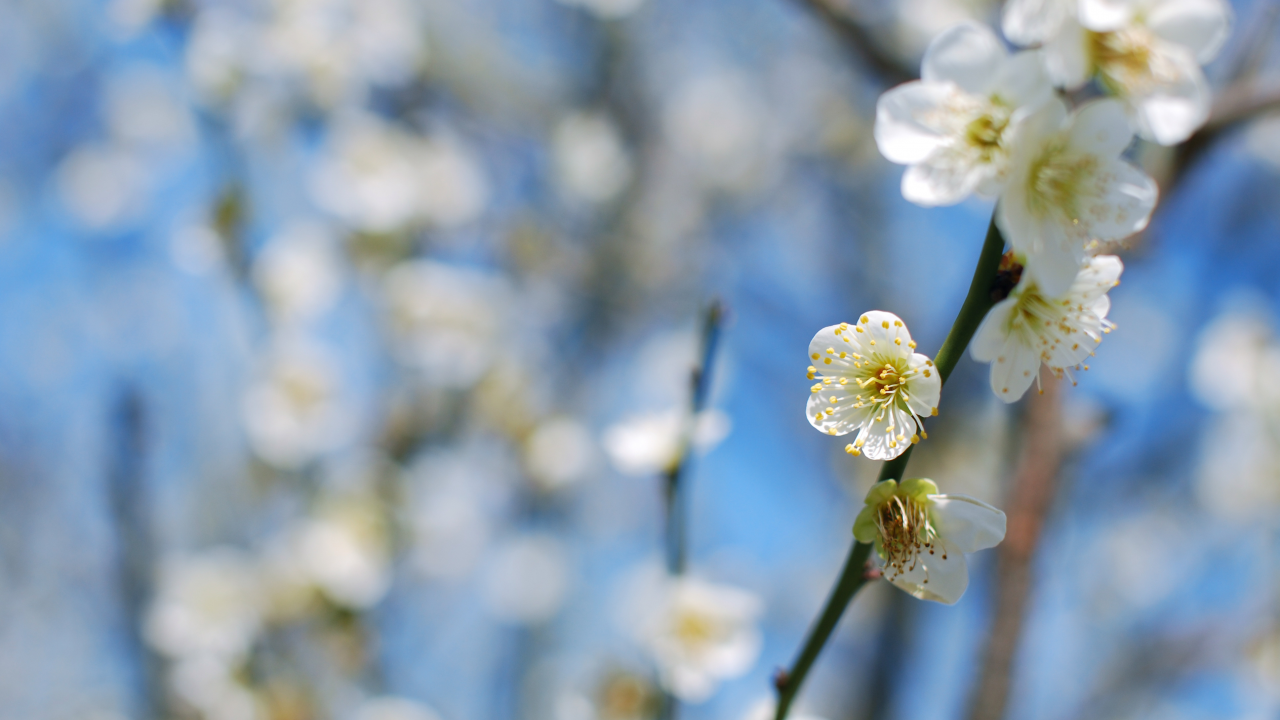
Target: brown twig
(858, 40)
(1028, 506)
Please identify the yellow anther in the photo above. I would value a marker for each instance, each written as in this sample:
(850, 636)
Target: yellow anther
(826, 361)
(927, 373)
(832, 399)
(826, 381)
(912, 344)
(933, 411)
(897, 341)
(897, 323)
(859, 328)
(815, 388)
(844, 381)
(812, 369)
(843, 354)
(924, 435)
(831, 351)
(863, 320)
(915, 439)
(815, 356)
(873, 342)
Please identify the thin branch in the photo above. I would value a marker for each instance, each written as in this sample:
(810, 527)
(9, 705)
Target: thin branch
(976, 304)
(676, 492)
(858, 41)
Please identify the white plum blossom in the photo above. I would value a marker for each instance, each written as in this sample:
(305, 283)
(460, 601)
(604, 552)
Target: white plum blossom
(207, 606)
(389, 707)
(1069, 190)
(1146, 52)
(344, 550)
(1029, 328)
(954, 126)
(922, 536)
(870, 379)
(700, 633)
(647, 444)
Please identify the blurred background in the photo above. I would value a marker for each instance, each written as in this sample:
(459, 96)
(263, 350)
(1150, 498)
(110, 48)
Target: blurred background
(343, 345)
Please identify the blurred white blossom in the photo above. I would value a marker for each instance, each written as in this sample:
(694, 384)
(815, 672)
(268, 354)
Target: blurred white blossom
(718, 123)
(209, 686)
(765, 709)
(293, 413)
(105, 187)
(1146, 52)
(646, 444)
(146, 107)
(590, 159)
(559, 453)
(344, 548)
(299, 273)
(207, 605)
(394, 708)
(698, 633)
(448, 320)
(528, 579)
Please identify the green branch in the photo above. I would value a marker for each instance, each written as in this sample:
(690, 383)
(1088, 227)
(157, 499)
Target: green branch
(854, 576)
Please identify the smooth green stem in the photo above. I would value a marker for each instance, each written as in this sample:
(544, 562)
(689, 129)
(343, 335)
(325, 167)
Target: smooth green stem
(853, 576)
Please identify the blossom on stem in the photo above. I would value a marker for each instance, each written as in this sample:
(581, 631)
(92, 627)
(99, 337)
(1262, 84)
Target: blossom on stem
(701, 633)
(1068, 189)
(1030, 327)
(955, 125)
(870, 379)
(922, 536)
(1146, 52)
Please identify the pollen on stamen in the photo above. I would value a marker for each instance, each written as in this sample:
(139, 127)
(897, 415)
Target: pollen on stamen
(815, 356)
(884, 324)
(933, 411)
(912, 344)
(915, 439)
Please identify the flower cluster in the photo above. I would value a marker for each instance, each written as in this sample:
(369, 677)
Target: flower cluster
(982, 120)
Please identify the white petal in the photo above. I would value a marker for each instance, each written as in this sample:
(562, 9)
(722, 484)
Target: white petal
(884, 333)
(1096, 279)
(844, 418)
(1104, 15)
(946, 178)
(935, 578)
(968, 55)
(968, 522)
(902, 131)
(1057, 260)
(1067, 57)
(1120, 205)
(1027, 22)
(1201, 26)
(880, 443)
(1023, 80)
(924, 388)
(1101, 128)
(831, 338)
(1170, 111)
(988, 342)
(1013, 369)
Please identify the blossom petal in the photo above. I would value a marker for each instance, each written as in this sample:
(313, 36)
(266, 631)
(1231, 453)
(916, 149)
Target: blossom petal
(883, 332)
(1101, 128)
(879, 438)
(925, 387)
(1120, 205)
(946, 178)
(1201, 26)
(968, 522)
(967, 54)
(1066, 56)
(1169, 111)
(1022, 80)
(840, 417)
(1097, 278)
(1056, 257)
(988, 342)
(941, 577)
(1027, 22)
(1014, 368)
(1105, 15)
(901, 131)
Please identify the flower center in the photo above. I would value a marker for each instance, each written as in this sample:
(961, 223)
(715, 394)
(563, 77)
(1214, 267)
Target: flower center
(884, 382)
(1057, 181)
(985, 132)
(694, 628)
(1129, 61)
(905, 532)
